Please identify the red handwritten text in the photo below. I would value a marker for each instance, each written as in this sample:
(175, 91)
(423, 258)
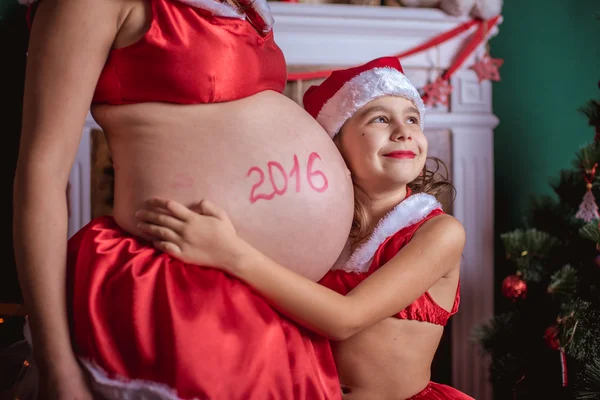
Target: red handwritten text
(280, 180)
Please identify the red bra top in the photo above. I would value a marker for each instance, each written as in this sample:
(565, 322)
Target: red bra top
(196, 51)
(391, 235)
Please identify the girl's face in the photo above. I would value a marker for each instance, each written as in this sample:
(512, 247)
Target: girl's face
(383, 144)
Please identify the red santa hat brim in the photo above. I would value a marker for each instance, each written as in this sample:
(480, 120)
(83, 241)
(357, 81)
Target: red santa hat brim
(381, 77)
(363, 88)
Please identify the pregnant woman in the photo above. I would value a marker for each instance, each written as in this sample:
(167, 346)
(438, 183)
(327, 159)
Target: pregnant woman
(189, 96)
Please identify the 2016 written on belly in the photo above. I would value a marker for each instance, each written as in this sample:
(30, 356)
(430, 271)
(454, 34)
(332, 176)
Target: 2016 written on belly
(315, 178)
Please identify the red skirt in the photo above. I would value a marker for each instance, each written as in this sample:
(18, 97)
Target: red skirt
(437, 391)
(144, 322)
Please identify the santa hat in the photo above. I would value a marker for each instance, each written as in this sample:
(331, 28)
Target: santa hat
(345, 91)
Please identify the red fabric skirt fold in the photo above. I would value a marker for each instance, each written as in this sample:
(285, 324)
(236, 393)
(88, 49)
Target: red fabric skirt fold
(144, 321)
(437, 391)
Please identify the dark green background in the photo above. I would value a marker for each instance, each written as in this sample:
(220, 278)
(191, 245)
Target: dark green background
(551, 50)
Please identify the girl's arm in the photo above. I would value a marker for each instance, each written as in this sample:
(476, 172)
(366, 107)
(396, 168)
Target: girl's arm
(69, 43)
(210, 239)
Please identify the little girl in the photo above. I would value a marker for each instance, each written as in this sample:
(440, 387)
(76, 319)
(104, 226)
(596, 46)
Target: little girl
(385, 303)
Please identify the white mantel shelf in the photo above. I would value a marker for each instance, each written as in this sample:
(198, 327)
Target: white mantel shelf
(346, 35)
(361, 20)
(339, 30)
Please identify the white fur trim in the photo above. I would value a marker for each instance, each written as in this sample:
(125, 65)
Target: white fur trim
(226, 10)
(486, 9)
(413, 209)
(363, 88)
(127, 389)
(121, 388)
(263, 9)
(215, 7)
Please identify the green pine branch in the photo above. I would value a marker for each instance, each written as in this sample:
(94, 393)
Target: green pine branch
(563, 282)
(587, 156)
(498, 337)
(555, 218)
(529, 250)
(570, 188)
(589, 382)
(528, 243)
(496, 332)
(591, 231)
(592, 111)
(506, 370)
(581, 330)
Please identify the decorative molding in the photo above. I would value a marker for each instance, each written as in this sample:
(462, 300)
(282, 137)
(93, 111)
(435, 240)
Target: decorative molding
(453, 121)
(473, 175)
(80, 202)
(470, 95)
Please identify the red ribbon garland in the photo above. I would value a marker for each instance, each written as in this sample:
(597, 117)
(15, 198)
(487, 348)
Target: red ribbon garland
(29, 17)
(563, 367)
(476, 40)
(441, 38)
(588, 175)
(484, 27)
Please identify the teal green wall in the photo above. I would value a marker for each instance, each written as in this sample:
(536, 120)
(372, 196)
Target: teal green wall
(551, 50)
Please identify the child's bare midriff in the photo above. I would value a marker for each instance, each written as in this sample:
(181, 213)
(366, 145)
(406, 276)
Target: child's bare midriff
(388, 361)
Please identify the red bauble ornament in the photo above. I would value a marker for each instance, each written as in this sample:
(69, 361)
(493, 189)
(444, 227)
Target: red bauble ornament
(514, 288)
(597, 260)
(551, 337)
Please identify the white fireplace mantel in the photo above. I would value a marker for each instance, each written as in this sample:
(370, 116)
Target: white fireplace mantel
(345, 35)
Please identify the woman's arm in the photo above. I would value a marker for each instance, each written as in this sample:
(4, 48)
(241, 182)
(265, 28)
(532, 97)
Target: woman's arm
(210, 239)
(69, 43)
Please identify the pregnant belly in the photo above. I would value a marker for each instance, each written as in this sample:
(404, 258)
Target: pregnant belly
(263, 159)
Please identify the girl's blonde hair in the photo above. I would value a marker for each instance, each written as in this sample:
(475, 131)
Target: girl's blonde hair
(433, 181)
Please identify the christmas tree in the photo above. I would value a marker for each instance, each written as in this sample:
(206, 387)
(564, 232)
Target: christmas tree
(546, 343)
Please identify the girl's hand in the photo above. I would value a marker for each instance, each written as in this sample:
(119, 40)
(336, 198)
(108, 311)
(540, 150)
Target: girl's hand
(202, 235)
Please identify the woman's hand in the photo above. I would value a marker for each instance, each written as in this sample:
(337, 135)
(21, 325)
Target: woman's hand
(202, 235)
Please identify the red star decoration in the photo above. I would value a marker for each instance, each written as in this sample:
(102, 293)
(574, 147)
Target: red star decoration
(437, 92)
(487, 68)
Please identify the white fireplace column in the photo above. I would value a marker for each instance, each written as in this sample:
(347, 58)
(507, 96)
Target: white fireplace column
(80, 199)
